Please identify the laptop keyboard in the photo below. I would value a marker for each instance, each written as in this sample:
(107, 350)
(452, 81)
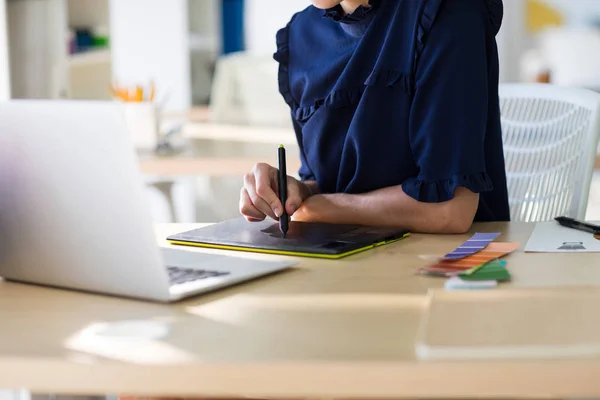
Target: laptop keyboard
(178, 275)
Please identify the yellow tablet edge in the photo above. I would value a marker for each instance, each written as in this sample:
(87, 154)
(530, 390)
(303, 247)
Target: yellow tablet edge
(285, 252)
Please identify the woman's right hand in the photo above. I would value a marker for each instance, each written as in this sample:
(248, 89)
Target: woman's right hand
(259, 196)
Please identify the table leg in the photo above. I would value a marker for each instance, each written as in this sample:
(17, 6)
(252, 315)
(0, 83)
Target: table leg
(166, 189)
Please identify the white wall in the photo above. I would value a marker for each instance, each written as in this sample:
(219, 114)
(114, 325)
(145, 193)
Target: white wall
(512, 39)
(4, 73)
(264, 18)
(150, 41)
(578, 12)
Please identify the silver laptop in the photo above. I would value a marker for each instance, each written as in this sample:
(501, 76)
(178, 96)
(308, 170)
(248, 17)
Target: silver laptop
(73, 211)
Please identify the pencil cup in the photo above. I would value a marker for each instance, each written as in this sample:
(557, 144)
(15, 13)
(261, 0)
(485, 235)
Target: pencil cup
(143, 125)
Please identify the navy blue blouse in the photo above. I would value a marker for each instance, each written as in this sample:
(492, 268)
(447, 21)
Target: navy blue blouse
(404, 92)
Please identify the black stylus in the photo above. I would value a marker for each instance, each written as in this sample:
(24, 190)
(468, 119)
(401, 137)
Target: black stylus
(284, 218)
(574, 224)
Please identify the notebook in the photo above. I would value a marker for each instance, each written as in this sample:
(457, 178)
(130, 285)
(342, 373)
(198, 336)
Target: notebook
(305, 239)
(510, 324)
(551, 237)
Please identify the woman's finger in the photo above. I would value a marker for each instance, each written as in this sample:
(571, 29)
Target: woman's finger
(257, 201)
(266, 185)
(248, 210)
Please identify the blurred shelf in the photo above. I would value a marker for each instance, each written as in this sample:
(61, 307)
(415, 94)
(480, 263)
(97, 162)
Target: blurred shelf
(210, 166)
(90, 58)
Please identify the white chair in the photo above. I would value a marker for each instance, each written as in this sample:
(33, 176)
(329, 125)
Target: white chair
(245, 92)
(550, 136)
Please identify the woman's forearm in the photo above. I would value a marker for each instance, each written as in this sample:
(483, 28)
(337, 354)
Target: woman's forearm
(392, 207)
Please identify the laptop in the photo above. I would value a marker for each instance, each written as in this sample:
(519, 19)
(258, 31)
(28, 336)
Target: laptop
(304, 239)
(73, 213)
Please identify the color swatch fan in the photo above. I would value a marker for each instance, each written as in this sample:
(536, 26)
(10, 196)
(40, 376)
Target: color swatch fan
(475, 264)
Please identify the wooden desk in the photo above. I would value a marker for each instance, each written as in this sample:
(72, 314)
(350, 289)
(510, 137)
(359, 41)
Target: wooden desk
(335, 329)
(240, 133)
(195, 114)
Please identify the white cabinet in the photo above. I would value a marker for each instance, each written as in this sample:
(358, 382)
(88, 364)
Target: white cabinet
(171, 42)
(89, 74)
(40, 63)
(14, 395)
(35, 30)
(4, 72)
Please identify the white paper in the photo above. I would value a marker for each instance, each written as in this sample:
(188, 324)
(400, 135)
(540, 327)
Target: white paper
(455, 283)
(551, 237)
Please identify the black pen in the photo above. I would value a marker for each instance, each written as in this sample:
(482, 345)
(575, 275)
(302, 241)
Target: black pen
(574, 224)
(282, 178)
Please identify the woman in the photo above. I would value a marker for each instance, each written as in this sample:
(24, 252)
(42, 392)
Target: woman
(396, 111)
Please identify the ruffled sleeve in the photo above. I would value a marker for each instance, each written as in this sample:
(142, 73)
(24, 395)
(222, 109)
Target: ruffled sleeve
(448, 119)
(282, 56)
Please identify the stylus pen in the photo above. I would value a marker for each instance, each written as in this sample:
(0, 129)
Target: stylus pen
(282, 180)
(574, 224)
(284, 218)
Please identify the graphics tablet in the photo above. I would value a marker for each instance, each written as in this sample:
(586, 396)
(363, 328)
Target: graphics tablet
(304, 239)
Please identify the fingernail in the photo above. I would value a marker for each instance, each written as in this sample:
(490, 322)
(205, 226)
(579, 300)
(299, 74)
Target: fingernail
(293, 207)
(278, 212)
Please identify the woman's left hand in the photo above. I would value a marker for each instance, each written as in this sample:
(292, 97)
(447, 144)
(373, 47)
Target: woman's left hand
(317, 208)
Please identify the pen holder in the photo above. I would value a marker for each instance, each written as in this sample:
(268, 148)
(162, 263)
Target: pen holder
(143, 125)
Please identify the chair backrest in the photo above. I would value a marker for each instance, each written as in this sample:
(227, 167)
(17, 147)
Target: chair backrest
(245, 92)
(550, 138)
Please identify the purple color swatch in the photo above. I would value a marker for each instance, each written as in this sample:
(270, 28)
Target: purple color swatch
(476, 243)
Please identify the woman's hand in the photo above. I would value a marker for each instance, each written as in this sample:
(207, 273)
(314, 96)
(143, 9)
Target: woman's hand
(259, 197)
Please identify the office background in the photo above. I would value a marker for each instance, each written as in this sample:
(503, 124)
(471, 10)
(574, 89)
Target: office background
(211, 63)
(215, 79)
